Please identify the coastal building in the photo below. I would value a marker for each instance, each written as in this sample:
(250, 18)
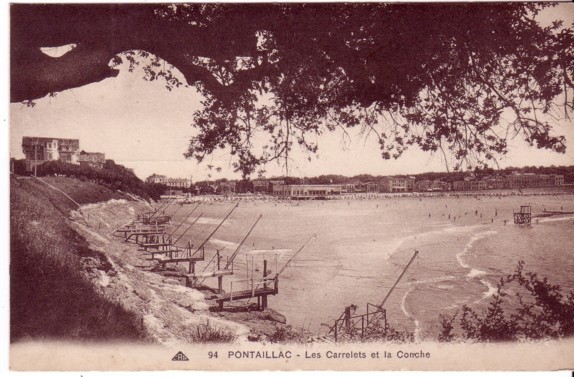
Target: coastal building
(469, 185)
(229, 187)
(372, 187)
(397, 184)
(424, 185)
(38, 150)
(261, 185)
(275, 182)
(178, 183)
(428, 185)
(156, 178)
(519, 180)
(172, 183)
(349, 187)
(93, 160)
(511, 181)
(307, 191)
(358, 187)
(495, 182)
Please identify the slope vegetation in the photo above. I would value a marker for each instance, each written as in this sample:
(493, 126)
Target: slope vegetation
(50, 295)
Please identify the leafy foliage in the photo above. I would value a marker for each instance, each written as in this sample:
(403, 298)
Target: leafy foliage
(447, 326)
(113, 176)
(443, 78)
(540, 310)
(456, 79)
(18, 166)
(209, 333)
(285, 334)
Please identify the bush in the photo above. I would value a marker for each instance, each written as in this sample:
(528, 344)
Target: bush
(284, 334)
(207, 333)
(541, 311)
(113, 176)
(18, 166)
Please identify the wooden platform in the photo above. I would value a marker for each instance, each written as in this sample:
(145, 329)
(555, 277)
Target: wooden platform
(177, 255)
(144, 233)
(191, 279)
(134, 228)
(166, 259)
(156, 246)
(271, 287)
(138, 231)
(248, 293)
(176, 252)
(157, 252)
(199, 275)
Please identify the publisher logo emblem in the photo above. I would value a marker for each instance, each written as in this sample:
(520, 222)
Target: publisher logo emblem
(180, 357)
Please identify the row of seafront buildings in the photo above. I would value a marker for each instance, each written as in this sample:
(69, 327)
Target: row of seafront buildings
(278, 187)
(385, 184)
(38, 150)
(402, 185)
(510, 181)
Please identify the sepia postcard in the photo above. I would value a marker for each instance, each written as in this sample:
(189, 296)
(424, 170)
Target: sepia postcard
(291, 187)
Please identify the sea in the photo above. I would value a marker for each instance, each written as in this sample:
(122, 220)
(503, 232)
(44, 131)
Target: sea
(331, 254)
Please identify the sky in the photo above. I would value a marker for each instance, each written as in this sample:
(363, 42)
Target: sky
(144, 126)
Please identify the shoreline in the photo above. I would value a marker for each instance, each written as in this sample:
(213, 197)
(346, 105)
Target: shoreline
(267, 322)
(490, 252)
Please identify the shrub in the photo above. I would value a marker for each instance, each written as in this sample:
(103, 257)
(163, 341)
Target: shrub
(208, 333)
(447, 327)
(284, 334)
(112, 176)
(541, 311)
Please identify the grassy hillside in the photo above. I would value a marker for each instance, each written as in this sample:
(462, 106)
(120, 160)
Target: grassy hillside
(50, 297)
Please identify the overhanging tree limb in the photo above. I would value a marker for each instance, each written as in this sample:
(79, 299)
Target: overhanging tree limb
(310, 61)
